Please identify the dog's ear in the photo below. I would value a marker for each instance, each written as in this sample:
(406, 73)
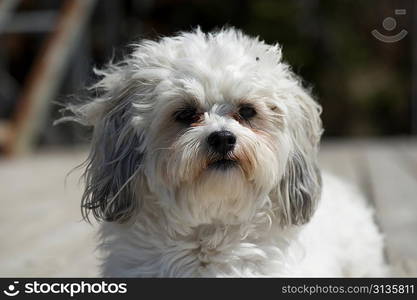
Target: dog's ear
(299, 188)
(113, 167)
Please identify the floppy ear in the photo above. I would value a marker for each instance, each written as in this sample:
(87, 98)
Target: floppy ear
(299, 189)
(112, 173)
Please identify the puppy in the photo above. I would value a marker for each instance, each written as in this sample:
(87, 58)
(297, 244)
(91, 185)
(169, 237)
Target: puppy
(203, 162)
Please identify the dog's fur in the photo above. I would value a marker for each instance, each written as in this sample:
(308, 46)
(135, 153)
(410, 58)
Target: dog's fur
(169, 212)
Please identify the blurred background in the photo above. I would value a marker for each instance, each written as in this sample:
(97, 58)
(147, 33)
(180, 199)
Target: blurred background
(360, 58)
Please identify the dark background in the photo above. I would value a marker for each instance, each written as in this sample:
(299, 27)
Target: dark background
(364, 85)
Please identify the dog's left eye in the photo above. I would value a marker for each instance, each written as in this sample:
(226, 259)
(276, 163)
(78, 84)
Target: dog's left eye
(186, 115)
(247, 112)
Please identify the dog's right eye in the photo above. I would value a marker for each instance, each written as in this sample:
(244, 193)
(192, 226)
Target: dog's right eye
(186, 115)
(247, 112)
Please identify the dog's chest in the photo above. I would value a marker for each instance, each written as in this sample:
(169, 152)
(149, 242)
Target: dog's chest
(213, 252)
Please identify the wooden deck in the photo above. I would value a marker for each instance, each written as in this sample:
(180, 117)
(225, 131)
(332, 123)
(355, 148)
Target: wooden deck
(42, 234)
(386, 171)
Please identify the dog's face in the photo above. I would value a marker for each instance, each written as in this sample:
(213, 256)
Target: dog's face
(213, 150)
(215, 127)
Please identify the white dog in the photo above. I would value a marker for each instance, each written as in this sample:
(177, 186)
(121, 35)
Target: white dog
(204, 163)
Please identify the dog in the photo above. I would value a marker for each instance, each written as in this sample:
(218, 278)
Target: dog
(203, 163)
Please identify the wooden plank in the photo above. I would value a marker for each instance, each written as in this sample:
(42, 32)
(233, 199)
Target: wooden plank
(46, 75)
(32, 22)
(336, 157)
(408, 148)
(40, 218)
(346, 160)
(4, 131)
(395, 195)
(67, 250)
(7, 8)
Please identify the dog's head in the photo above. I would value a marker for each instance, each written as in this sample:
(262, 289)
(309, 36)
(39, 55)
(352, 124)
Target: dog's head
(211, 126)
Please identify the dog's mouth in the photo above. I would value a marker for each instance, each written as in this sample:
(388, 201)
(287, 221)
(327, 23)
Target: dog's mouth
(223, 164)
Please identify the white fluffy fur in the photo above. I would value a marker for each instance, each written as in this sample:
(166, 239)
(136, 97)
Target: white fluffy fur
(168, 213)
(340, 240)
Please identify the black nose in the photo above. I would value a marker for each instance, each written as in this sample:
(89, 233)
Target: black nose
(221, 141)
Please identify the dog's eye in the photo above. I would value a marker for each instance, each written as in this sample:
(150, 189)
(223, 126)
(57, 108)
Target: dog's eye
(247, 112)
(186, 115)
